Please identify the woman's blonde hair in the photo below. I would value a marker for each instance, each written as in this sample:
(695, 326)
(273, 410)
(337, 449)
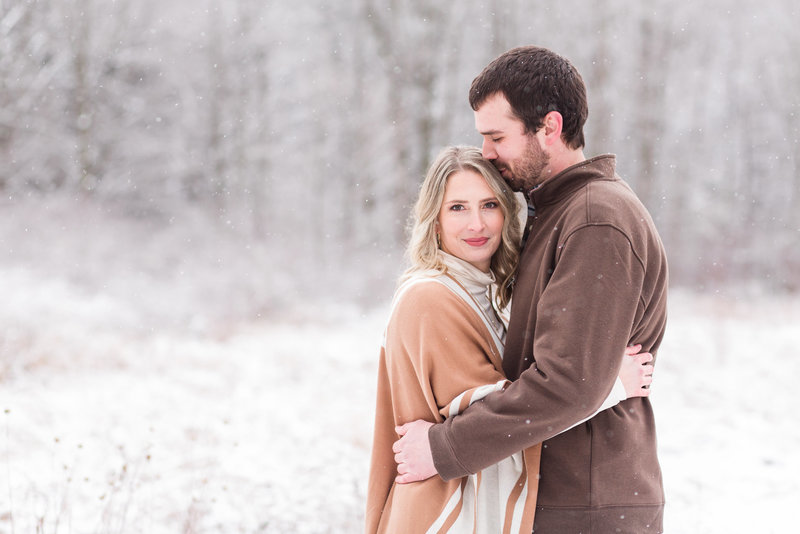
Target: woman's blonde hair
(423, 251)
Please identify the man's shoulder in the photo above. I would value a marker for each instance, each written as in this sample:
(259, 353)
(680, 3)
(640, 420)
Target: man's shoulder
(613, 205)
(611, 202)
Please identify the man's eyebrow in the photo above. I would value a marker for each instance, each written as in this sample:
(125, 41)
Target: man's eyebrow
(491, 132)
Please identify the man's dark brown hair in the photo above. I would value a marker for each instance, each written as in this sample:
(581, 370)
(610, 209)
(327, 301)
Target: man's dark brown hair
(536, 81)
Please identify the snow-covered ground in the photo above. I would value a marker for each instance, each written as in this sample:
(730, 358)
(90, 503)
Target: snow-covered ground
(132, 400)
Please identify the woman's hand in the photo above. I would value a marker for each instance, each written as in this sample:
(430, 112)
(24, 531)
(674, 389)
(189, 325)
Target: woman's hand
(636, 372)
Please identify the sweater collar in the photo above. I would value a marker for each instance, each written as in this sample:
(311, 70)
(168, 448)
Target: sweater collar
(472, 278)
(571, 179)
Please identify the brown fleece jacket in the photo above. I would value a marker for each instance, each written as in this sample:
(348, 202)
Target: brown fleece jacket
(592, 279)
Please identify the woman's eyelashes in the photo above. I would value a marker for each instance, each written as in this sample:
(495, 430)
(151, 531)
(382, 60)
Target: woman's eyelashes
(489, 205)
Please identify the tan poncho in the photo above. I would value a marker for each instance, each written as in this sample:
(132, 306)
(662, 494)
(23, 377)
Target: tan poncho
(442, 352)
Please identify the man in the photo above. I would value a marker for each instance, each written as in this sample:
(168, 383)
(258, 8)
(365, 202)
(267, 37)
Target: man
(592, 279)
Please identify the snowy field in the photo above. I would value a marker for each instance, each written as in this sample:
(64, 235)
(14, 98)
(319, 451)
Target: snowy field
(133, 400)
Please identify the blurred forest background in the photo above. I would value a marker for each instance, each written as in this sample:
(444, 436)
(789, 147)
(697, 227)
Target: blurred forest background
(292, 136)
(203, 207)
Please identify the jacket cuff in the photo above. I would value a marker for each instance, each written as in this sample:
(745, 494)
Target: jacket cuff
(444, 457)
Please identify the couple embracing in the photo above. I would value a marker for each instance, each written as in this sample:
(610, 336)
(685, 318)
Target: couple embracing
(537, 420)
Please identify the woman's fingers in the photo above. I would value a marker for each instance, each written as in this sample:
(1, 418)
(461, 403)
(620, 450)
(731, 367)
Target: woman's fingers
(633, 349)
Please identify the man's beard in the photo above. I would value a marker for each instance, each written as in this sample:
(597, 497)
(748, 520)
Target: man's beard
(528, 171)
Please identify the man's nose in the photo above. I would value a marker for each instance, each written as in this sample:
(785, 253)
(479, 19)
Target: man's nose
(487, 149)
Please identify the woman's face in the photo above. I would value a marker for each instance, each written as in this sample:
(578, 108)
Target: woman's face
(470, 220)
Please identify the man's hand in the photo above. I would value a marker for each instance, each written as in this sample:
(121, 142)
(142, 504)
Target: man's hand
(412, 452)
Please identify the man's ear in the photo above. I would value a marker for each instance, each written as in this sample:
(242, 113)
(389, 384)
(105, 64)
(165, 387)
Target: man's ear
(553, 124)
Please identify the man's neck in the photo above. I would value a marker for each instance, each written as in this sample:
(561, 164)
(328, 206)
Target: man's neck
(563, 159)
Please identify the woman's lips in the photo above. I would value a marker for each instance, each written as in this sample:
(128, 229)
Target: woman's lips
(477, 241)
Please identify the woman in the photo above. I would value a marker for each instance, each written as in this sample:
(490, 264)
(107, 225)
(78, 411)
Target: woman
(443, 349)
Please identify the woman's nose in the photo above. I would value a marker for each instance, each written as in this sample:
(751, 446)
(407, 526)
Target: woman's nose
(476, 221)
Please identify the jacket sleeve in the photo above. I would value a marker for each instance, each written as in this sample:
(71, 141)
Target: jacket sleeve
(617, 395)
(584, 320)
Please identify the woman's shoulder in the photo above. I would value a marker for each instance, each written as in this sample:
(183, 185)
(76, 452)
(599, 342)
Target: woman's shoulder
(429, 302)
(424, 291)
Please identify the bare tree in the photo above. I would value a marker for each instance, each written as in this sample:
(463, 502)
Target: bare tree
(309, 127)
(400, 30)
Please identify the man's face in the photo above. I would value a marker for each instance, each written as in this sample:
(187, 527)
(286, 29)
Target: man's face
(518, 156)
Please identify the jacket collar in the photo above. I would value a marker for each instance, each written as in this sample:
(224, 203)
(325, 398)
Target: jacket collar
(571, 179)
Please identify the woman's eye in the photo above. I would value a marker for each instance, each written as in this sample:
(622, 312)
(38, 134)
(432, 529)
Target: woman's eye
(456, 207)
(491, 205)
